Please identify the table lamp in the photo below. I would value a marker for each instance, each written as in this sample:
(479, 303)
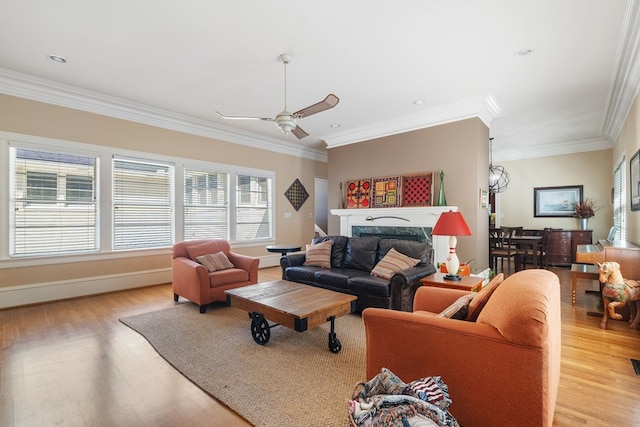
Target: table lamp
(451, 224)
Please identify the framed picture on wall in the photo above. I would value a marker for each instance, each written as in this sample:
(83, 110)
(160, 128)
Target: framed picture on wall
(634, 181)
(556, 201)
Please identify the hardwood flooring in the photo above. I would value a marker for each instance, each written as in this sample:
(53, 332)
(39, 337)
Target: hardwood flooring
(72, 363)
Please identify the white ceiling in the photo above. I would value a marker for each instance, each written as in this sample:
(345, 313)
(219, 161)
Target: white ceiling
(173, 63)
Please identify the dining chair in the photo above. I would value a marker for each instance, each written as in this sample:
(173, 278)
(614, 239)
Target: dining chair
(501, 248)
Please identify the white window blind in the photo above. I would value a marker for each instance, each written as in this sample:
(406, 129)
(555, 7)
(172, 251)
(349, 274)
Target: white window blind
(53, 202)
(620, 201)
(142, 204)
(253, 207)
(206, 204)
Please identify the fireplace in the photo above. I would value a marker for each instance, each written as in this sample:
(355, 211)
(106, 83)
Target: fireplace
(398, 223)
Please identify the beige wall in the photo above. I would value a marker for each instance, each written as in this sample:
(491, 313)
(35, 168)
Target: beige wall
(460, 149)
(627, 145)
(39, 119)
(592, 170)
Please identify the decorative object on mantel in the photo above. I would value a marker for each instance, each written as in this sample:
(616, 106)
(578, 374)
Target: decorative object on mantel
(442, 198)
(584, 210)
(296, 194)
(417, 189)
(342, 202)
(358, 194)
(498, 176)
(451, 224)
(386, 192)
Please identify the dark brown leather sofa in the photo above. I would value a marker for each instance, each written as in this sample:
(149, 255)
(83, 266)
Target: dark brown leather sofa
(352, 259)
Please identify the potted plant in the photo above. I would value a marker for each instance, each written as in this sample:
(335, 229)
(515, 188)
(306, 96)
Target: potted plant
(585, 210)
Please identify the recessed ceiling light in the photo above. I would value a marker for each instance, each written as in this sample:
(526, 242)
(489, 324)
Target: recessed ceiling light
(335, 125)
(524, 52)
(58, 58)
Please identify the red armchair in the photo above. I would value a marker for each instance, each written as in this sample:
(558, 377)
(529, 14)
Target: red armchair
(501, 370)
(194, 282)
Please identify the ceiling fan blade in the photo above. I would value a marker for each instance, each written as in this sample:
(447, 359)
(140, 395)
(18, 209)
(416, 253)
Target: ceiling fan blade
(329, 102)
(264, 119)
(299, 132)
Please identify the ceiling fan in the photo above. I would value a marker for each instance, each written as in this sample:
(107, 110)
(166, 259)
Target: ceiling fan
(286, 121)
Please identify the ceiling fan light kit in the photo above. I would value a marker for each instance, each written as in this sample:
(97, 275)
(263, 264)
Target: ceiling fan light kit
(286, 121)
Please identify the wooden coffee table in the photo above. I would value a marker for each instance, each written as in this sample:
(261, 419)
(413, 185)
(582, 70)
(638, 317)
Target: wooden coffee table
(294, 305)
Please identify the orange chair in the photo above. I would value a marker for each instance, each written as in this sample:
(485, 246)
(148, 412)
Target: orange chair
(194, 282)
(501, 370)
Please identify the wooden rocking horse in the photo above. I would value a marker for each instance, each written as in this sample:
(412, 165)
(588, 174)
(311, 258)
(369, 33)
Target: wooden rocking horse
(616, 292)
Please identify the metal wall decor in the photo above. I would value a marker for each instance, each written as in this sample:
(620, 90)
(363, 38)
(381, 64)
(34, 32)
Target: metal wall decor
(296, 194)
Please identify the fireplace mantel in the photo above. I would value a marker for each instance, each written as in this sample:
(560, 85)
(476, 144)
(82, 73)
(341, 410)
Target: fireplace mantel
(393, 217)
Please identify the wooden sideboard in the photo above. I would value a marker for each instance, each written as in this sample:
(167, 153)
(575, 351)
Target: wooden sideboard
(563, 244)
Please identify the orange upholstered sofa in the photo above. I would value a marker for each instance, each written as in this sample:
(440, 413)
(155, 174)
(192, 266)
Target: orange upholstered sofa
(196, 283)
(501, 370)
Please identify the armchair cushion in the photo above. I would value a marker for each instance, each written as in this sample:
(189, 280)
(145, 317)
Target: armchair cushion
(210, 247)
(215, 262)
(393, 262)
(319, 254)
(459, 308)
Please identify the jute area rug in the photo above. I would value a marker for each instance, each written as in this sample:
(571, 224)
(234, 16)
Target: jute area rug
(293, 380)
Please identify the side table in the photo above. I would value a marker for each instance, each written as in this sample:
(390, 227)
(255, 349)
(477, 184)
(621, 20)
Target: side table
(467, 283)
(283, 249)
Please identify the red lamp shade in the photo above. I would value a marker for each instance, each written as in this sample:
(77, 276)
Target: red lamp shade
(451, 224)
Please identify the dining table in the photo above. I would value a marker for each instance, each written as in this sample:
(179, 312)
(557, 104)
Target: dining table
(527, 244)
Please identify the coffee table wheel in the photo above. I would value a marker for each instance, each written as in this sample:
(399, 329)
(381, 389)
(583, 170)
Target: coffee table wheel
(260, 330)
(334, 343)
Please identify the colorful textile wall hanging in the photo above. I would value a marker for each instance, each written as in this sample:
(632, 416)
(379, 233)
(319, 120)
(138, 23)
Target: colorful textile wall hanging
(296, 194)
(386, 192)
(417, 189)
(358, 194)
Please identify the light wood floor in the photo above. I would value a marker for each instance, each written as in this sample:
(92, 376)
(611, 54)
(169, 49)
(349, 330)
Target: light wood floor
(72, 363)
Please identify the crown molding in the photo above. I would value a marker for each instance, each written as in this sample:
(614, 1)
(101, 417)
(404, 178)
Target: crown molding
(626, 74)
(486, 109)
(42, 90)
(552, 149)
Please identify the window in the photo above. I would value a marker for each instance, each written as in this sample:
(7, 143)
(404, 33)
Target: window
(620, 201)
(142, 204)
(206, 205)
(46, 218)
(253, 210)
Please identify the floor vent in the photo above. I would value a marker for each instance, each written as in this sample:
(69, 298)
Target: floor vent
(636, 365)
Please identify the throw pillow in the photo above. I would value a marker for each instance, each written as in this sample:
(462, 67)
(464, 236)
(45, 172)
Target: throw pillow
(458, 310)
(319, 255)
(393, 262)
(480, 299)
(215, 262)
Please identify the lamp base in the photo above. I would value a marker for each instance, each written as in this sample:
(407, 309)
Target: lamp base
(452, 277)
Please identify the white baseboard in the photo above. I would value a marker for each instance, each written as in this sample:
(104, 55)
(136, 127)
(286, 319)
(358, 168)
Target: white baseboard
(14, 296)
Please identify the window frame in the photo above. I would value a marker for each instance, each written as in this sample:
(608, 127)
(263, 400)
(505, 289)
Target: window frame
(104, 188)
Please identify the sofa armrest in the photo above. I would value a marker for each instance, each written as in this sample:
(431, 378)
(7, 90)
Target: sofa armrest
(247, 263)
(404, 285)
(291, 260)
(434, 300)
(190, 279)
(479, 366)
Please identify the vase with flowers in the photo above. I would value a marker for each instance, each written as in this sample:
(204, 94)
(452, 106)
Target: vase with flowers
(585, 210)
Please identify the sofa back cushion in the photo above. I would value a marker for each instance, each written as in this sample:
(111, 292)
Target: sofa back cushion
(524, 307)
(361, 253)
(195, 248)
(410, 248)
(338, 248)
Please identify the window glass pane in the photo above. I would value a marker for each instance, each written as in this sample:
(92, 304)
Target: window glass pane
(206, 205)
(142, 204)
(253, 210)
(46, 219)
